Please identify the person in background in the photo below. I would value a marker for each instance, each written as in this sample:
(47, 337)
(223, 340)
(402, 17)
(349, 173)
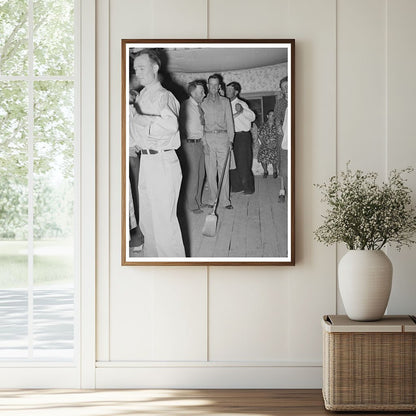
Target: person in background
(283, 158)
(242, 178)
(136, 235)
(219, 136)
(192, 130)
(222, 88)
(269, 150)
(280, 108)
(156, 120)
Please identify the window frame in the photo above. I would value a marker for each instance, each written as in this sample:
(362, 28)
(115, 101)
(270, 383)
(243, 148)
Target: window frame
(81, 371)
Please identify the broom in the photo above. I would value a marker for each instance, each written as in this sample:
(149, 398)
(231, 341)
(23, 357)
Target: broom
(210, 227)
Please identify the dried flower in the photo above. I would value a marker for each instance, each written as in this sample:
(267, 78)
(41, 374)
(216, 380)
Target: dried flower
(365, 215)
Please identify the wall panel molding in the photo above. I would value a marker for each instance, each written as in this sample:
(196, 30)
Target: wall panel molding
(210, 377)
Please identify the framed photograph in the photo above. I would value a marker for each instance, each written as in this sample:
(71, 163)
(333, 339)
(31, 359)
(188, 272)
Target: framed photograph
(208, 152)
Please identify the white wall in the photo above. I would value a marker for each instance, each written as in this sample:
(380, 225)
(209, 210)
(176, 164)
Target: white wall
(254, 326)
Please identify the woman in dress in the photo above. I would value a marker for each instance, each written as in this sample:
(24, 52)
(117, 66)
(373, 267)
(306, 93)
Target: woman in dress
(269, 150)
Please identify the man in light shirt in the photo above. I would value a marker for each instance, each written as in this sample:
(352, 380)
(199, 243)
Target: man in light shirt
(219, 136)
(242, 179)
(192, 130)
(156, 121)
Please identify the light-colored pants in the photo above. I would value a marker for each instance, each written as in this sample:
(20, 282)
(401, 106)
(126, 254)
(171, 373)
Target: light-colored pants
(159, 184)
(216, 146)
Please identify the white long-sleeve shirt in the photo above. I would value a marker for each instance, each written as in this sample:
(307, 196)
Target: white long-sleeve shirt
(156, 126)
(242, 121)
(190, 119)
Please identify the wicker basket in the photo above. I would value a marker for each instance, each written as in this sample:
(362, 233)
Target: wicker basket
(369, 366)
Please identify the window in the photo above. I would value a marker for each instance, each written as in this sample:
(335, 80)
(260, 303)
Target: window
(261, 103)
(38, 185)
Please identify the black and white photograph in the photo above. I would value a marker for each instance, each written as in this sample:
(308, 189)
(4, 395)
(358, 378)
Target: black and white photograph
(208, 152)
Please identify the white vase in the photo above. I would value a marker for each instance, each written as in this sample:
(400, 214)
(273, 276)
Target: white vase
(364, 278)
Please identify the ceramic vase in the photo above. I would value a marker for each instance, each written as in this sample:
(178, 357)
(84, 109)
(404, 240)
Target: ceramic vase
(364, 278)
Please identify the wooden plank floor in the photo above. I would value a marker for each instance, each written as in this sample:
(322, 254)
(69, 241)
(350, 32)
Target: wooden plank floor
(256, 227)
(166, 402)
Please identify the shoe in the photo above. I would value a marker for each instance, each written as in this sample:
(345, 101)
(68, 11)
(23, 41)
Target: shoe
(248, 192)
(275, 175)
(207, 206)
(138, 249)
(197, 211)
(265, 174)
(229, 207)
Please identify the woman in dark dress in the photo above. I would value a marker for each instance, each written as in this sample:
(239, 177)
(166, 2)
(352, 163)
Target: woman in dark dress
(269, 150)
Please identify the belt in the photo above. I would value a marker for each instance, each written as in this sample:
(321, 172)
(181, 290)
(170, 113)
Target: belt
(216, 131)
(153, 152)
(193, 140)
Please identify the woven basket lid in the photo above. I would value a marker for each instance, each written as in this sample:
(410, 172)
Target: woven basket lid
(389, 323)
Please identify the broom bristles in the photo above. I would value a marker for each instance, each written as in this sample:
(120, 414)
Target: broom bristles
(210, 226)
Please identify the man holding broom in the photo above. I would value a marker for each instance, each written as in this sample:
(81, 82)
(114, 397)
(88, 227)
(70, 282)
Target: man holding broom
(219, 136)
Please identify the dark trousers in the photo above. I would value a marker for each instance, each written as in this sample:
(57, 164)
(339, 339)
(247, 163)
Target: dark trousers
(241, 177)
(194, 173)
(136, 235)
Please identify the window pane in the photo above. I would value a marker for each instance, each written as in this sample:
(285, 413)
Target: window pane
(53, 319)
(13, 160)
(13, 37)
(53, 37)
(53, 196)
(13, 166)
(13, 323)
(54, 172)
(13, 219)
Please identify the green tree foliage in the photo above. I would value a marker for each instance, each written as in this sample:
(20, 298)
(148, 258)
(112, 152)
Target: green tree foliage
(53, 118)
(13, 159)
(13, 129)
(53, 209)
(13, 37)
(54, 127)
(13, 209)
(53, 37)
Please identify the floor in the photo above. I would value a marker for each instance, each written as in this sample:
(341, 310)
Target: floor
(166, 402)
(256, 227)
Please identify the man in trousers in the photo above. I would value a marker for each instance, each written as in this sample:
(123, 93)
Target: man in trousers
(219, 136)
(160, 177)
(242, 178)
(192, 130)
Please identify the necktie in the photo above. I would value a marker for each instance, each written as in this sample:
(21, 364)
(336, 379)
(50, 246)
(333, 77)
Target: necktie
(201, 115)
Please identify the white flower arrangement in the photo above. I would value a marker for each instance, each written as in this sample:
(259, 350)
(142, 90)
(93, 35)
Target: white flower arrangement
(365, 215)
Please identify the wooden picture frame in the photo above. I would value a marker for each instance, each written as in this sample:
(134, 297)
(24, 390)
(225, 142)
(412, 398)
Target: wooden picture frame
(260, 227)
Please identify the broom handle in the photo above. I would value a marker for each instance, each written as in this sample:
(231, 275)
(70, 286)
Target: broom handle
(221, 180)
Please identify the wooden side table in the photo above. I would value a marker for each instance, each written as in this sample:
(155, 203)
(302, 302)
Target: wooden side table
(369, 366)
